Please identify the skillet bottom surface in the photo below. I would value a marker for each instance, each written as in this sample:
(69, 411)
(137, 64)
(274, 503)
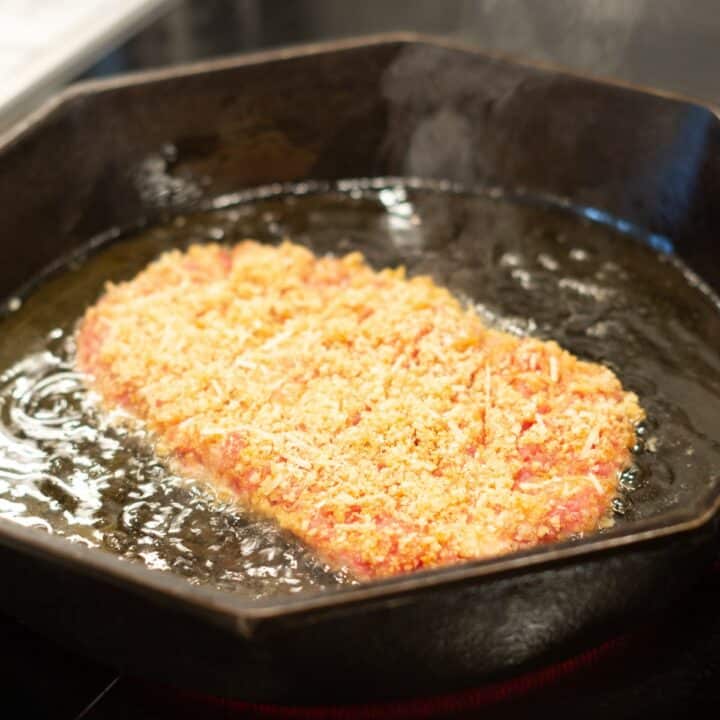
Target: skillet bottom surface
(529, 266)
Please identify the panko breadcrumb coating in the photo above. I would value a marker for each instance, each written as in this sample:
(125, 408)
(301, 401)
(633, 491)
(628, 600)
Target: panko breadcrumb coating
(372, 415)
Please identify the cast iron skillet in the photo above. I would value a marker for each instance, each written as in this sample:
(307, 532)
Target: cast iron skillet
(388, 106)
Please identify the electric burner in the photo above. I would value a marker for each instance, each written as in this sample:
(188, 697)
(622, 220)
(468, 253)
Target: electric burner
(667, 668)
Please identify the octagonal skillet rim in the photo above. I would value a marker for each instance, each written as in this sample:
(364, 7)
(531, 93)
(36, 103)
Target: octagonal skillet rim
(242, 614)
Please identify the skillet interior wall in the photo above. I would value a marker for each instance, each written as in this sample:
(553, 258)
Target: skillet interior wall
(116, 154)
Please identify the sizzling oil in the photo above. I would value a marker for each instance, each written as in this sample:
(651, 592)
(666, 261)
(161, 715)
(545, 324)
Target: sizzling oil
(529, 267)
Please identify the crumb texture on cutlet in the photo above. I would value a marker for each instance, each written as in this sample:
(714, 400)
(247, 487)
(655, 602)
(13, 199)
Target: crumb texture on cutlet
(370, 414)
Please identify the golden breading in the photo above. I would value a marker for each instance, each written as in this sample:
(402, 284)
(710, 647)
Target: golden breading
(372, 415)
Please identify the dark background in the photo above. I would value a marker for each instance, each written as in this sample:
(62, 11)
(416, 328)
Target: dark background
(669, 44)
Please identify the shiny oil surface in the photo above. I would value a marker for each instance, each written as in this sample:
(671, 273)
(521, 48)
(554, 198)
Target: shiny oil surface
(530, 266)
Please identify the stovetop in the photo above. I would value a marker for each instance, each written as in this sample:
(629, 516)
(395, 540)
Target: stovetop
(669, 667)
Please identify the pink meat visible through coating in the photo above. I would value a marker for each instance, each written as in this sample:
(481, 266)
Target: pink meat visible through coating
(370, 414)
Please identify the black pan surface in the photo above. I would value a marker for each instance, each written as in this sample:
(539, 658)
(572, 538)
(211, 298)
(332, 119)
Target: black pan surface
(529, 265)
